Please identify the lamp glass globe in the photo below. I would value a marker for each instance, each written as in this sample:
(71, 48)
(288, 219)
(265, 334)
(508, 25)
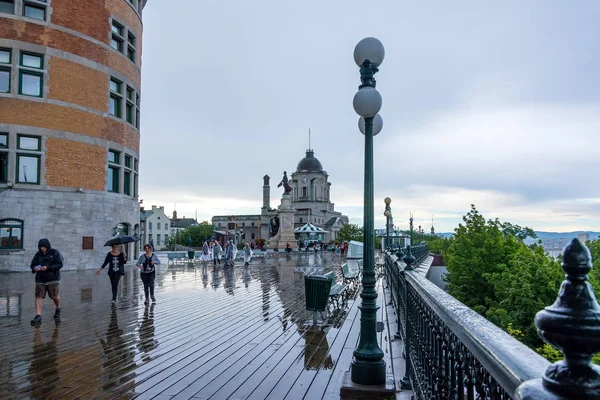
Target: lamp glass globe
(377, 124)
(387, 201)
(367, 102)
(369, 49)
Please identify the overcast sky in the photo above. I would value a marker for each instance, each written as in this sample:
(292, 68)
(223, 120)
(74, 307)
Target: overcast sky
(492, 104)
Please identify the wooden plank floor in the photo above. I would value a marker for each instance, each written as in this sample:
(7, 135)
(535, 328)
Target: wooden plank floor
(214, 333)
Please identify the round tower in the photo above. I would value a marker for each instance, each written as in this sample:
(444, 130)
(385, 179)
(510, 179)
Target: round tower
(70, 104)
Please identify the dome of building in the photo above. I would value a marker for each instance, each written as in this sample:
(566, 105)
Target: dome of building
(309, 163)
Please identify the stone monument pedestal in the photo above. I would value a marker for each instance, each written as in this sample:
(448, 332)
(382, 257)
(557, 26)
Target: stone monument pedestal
(285, 234)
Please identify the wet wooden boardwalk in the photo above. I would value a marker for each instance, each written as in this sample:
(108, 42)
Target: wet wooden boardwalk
(237, 333)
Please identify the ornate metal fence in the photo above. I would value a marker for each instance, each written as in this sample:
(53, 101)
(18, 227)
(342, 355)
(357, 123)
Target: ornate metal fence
(452, 352)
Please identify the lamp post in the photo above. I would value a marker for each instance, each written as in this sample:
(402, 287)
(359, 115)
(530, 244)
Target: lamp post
(388, 215)
(420, 234)
(368, 366)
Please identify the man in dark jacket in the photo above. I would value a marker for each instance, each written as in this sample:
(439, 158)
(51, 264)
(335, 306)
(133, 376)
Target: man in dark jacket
(46, 265)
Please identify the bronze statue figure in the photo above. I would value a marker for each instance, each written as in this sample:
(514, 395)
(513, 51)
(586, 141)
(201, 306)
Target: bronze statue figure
(287, 189)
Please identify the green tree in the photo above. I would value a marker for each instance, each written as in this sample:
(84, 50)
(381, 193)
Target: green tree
(594, 246)
(193, 236)
(351, 232)
(493, 271)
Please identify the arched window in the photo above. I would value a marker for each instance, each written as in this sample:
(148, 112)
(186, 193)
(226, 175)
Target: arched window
(11, 234)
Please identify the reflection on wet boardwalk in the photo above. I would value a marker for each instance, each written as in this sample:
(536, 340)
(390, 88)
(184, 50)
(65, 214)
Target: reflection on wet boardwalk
(238, 333)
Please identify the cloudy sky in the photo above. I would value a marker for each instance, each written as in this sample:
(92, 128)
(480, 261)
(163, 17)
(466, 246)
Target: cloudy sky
(492, 104)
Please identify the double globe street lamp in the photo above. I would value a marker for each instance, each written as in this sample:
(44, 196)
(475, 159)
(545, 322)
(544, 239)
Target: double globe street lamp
(368, 366)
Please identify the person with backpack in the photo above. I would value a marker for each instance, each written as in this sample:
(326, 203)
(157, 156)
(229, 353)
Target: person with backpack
(46, 265)
(147, 265)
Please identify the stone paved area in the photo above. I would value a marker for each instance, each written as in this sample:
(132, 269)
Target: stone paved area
(236, 333)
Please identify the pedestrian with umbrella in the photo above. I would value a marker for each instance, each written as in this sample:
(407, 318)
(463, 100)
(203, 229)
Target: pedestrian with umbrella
(147, 265)
(117, 259)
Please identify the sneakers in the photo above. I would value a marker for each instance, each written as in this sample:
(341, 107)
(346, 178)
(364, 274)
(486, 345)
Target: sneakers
(57, 315)
(153, 298)
(146, 302)
(37, 320)
(114, 302)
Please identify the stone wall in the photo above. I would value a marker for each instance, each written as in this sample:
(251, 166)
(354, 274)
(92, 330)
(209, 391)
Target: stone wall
(64, 217)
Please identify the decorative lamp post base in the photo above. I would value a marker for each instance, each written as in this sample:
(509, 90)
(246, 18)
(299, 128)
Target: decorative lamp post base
(353, 391)
(368, 373)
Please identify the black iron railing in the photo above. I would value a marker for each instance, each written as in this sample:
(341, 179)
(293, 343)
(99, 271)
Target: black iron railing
(452, 352)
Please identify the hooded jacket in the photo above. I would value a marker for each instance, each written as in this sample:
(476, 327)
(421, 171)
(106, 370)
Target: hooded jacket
(53, 260)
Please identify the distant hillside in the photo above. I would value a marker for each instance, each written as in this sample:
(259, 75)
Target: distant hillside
(559, 238)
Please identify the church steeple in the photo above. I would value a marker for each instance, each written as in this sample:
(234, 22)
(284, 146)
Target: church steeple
(432, 229)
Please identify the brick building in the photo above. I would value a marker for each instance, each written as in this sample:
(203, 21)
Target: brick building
(70, 89)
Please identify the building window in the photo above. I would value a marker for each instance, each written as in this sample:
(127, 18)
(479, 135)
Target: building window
(158, 239)
(128, 161)
(158, 226)
(300, 220)
(127, 183)
(129, 106)
(3, 167)
(30, 80)
(137, 110)
(113, 179)
(113, 156)
(116, 40)
(135, 185)
(135, 164)
(3, 140)
(7, 6)
(35, 9)
(131, 46)
(303, 192)
(253, 236)
(33, 143)
(11, 234)
(166, 238)
(5, 59)
(115, 98)
(28, 167)
(253, 224)
(150, 226)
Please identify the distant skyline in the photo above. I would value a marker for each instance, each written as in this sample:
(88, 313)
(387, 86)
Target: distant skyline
(492, 104)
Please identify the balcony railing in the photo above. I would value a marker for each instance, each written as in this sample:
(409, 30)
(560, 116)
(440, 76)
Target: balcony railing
(452, 352)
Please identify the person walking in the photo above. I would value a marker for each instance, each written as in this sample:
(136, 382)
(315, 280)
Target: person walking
(229, 254)
(147, 265)
(117, 259)
(247, 254)
(46, 265)
(205, 256)
(216, 253)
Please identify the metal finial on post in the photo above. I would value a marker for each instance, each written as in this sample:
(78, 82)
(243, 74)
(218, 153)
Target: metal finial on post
(572, 325)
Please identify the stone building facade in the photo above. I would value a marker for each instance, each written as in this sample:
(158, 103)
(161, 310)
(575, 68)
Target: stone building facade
(311, 198)
(70, 90)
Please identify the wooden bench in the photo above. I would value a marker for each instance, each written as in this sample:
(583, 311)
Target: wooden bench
(338, 290)
(350, 275)
(176, 256)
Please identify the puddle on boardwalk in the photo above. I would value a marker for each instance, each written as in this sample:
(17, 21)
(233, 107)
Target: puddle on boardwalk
(100, 350)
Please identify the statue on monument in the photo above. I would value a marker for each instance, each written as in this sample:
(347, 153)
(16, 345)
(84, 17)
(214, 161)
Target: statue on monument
(287, 189)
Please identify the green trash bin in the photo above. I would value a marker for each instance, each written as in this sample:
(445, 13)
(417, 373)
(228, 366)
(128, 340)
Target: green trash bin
(316, 291)
(191, 254)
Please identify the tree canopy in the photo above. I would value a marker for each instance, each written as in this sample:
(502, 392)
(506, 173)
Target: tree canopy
(350, 232)
(193, 236)
(493, 271)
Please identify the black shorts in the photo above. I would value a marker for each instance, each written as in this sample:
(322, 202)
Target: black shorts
(41, 290)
